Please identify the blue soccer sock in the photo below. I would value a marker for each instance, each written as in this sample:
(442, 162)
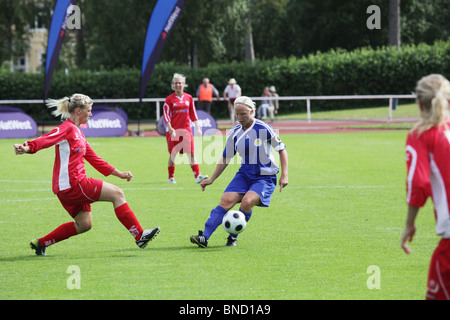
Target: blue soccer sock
(246, 214)
(214, 220)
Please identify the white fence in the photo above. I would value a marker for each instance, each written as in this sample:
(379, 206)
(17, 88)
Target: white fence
(308, 99)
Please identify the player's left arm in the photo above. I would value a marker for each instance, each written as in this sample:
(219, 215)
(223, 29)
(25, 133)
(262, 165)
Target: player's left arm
(197, 127)
(284, 180)
(122, 174)
(193, 116)
(280, 147)
(98, 163)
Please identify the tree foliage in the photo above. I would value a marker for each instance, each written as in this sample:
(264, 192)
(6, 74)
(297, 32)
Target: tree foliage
(213, 31)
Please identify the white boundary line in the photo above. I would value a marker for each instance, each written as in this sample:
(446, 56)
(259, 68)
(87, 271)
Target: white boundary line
(26, 200)
(26, 181)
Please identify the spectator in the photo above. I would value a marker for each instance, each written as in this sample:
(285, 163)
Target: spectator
(205, 93)
(274, 103)
(231, 92)
(265, 105)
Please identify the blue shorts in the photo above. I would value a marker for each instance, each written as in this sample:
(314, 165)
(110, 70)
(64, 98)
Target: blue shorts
(262, 185)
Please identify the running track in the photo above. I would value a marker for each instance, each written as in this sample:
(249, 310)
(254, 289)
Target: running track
(302, 126)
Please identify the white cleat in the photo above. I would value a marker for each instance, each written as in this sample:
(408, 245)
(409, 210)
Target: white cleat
(200, 178)
(172, 180)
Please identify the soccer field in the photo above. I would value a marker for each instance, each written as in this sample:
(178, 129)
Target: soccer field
(332, 233)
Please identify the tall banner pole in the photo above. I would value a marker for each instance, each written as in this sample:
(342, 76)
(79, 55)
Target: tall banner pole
(164, 16)
(57, 32)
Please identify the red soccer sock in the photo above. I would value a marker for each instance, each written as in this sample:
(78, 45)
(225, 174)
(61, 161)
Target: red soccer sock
(171, 171)
(64, 231)
(129, 220)
(196, 169)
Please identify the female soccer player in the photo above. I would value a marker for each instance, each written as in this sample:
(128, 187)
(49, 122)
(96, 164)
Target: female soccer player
(179, 109)
(75, 191)
(256, 179)
(428, 168)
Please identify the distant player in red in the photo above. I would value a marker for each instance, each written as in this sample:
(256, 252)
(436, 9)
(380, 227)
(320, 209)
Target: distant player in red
(428, 168)
(179, 111)
(75, 191)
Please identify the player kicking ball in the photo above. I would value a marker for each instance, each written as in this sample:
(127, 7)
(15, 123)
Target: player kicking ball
(74, 190)
(256, 179)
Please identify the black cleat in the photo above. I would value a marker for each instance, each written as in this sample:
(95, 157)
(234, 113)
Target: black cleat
(231, 241)
(200, 240)
(35, 245)
(147, 236)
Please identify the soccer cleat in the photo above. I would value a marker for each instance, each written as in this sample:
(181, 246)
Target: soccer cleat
(200, 178)
(172, 180)
(35, 245)
(231, 241)
(200, 240)
(146, 237)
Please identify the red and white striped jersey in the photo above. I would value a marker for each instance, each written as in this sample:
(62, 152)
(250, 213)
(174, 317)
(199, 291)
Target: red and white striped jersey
(428, 173)
(71, 148)
(179, 110)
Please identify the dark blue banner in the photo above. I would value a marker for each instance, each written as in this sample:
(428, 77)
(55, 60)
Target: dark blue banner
(164, 16)
(56, 34)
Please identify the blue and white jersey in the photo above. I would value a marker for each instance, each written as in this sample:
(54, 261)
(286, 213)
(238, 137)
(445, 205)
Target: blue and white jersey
(254, 146)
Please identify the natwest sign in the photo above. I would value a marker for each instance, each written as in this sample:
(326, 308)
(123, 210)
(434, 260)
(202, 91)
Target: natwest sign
(14, 123)
(205, 121)
(105, 124)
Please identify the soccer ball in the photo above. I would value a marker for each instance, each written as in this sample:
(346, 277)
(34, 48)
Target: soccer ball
(234, 222)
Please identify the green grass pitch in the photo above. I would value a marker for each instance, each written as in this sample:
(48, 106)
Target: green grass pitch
(342, 213)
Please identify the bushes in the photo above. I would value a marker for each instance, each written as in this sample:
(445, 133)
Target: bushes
(337, 72)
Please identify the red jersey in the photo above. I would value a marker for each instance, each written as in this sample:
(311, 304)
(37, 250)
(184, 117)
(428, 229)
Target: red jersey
(71, 148)
(428, 167)
(179, 110)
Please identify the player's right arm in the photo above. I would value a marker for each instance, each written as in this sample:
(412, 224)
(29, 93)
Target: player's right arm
(168, 118)
(47, 140)
(221, 165)
(410, 228)
(418, 186)
(21, 149)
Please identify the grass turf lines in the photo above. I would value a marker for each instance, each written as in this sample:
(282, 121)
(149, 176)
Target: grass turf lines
(339, 219)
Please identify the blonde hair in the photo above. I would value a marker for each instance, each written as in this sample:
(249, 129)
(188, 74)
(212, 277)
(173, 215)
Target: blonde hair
(178, 76)
(66, 106)
(433, 94)
(245, 101)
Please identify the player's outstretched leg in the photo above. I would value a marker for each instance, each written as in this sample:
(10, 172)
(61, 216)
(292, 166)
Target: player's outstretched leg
(63, 232)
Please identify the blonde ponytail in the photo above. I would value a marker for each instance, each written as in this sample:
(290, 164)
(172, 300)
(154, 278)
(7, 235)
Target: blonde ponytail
(433, 94)
(62, 107)
(66, 106)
